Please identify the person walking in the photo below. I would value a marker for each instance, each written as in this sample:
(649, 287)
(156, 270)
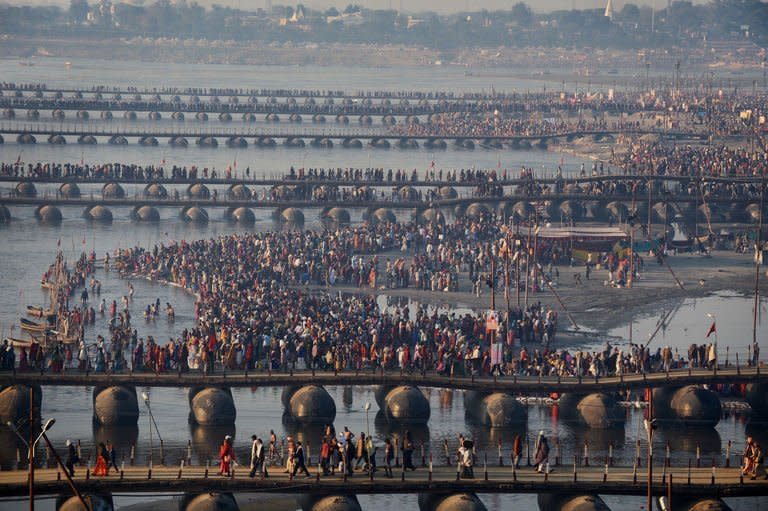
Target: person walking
(408, 452)
(362, 453)
(226, 456)
(298, 459)
(517, 451)
(112, 457)
(101, 469)
(388, 457)
(72, 458)
(541, 462)
(257, 457)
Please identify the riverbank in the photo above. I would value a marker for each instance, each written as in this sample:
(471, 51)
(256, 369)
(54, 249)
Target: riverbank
(606, 69)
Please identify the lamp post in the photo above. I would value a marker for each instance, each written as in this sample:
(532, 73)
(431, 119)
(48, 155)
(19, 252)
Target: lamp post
(650, 426)
(152, 421)
(31, 451)
(367, 407)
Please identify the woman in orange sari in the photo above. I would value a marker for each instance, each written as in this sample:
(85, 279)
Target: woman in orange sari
(101, 468)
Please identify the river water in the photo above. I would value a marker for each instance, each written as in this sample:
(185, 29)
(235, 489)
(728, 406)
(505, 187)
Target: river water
(26, 249)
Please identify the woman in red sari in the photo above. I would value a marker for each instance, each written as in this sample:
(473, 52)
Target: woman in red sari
(101, 468)
(226, 456)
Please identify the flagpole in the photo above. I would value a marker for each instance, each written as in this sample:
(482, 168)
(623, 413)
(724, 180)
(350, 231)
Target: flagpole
(758, 260)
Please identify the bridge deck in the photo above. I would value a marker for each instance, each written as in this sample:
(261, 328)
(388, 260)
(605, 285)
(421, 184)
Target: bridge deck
(619, 481)
(223, 201)
(109, 130)
(257, 181)
(522, 384)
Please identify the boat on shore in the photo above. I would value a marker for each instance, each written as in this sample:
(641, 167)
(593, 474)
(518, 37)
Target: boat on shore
(39, 312)
(32, 327)
(19, 343)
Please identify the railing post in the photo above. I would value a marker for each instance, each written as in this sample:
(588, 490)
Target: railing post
(713, 472)
(557, 452)
(501, 457)
(728, 455)
(689, 471)
(430, 467)
(586, 454)
(527, 451)
(634, 473)
(698, 454)
(575, 477)
(610, 453)
(458, 469)
(447, 456)
(485, 465)
(181, 469)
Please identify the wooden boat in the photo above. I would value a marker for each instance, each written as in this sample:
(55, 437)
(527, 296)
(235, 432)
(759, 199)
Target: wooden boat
(18, 343)
(31, 326)
(38, 312)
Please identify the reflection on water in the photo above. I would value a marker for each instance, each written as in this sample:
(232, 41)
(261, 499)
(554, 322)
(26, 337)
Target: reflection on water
(123, 437)
(11, 448)
(206, 440)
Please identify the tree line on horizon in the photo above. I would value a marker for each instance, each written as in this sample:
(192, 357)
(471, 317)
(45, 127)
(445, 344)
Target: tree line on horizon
(683, 24)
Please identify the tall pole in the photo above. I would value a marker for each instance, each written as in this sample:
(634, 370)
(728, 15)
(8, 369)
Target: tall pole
(528, 262)
(31, 451)
(149, 421)
(506, 277)
(631, 256)
(493, 281)
(650, 187)
(758, 257)
(650, 448)
(517, 270)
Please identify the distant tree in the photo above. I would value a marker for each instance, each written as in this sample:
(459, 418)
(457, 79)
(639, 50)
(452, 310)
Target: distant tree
(630, 12)
(78, 10)
(522, 13)
(333, 12)
(352, 8)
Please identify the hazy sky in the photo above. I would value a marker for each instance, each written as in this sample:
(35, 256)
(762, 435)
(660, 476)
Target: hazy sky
(444, 6)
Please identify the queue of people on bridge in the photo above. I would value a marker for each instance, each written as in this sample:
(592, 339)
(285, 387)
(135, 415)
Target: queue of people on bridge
(657, 159)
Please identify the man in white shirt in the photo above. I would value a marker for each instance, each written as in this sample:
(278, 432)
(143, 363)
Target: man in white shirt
(257, 457)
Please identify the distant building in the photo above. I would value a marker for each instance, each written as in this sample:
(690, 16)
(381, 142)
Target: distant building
(352, 18)
(414, 22)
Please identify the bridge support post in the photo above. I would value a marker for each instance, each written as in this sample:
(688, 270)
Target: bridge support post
(575, 462)
(698, 454)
